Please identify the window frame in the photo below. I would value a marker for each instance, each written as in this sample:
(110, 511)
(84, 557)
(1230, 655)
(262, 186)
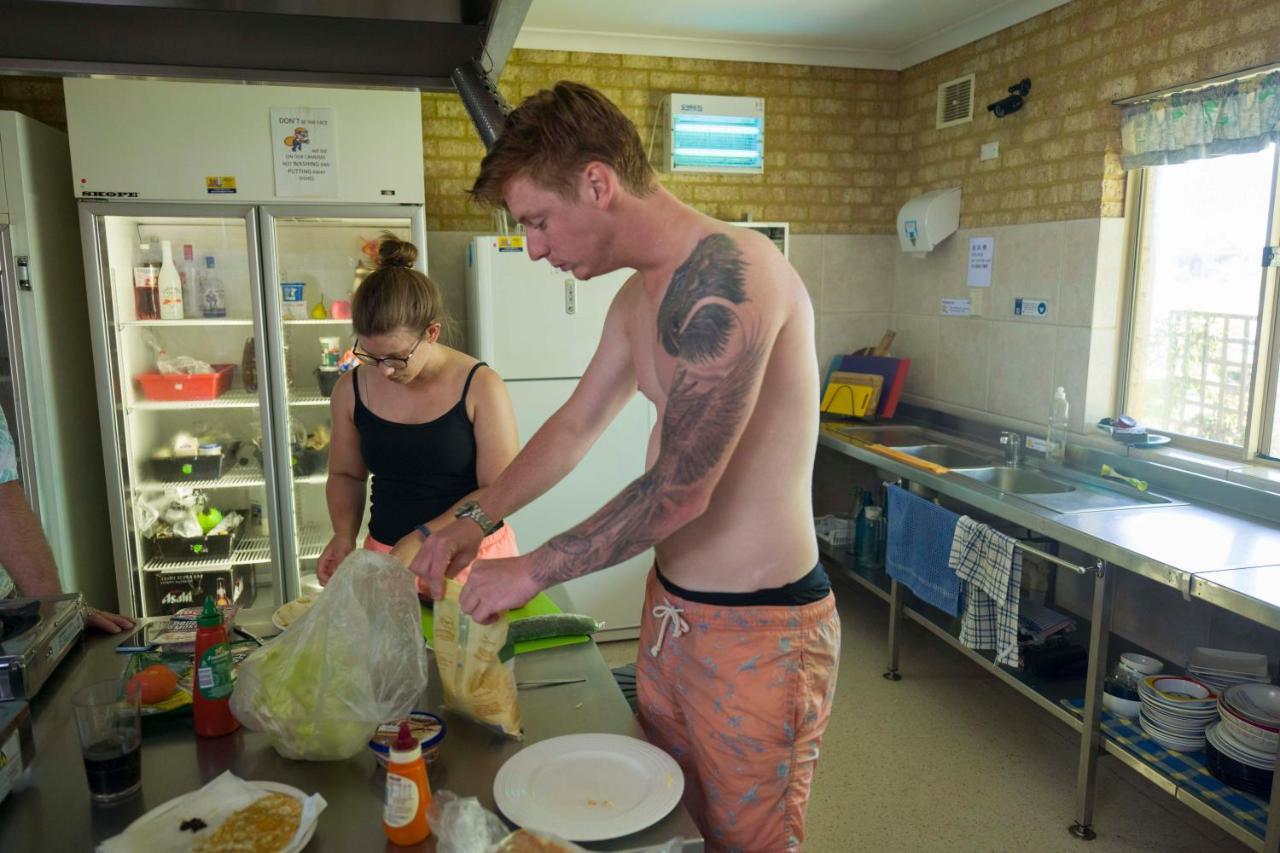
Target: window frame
(1261, 443)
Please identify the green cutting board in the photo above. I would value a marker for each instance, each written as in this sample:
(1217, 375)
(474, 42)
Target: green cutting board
(541, 605)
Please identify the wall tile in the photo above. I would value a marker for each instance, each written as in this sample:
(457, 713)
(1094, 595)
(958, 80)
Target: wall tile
(1100, 395)
(857, 274)
(1078, 272)
(963, 347)
(846, 332)
(1028, 263)
(1110, 285)
(916, 285)
(1071, 371)
(918, 340)
(805, 254)
(1020, 375)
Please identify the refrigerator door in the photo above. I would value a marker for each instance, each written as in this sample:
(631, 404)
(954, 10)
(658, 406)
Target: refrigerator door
(149, 420)
(315, 257)
(13, 400)
(527, 319)
(614, 595)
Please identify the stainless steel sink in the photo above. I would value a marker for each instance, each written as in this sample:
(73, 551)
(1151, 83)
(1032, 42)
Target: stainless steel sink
(945, 455)
(1074, 493)
(1016, 481)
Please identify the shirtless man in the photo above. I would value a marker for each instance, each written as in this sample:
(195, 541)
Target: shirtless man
(740, 637)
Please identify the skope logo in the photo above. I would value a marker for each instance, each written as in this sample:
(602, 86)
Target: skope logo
(107, 194)
(691, 108)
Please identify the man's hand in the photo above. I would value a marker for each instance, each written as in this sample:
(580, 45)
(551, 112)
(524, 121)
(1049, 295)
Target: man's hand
(334, 553)
(108, 623)
(497, 585)
(445, 553)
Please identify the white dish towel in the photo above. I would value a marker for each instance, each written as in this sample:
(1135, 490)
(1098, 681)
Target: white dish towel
(989, 565)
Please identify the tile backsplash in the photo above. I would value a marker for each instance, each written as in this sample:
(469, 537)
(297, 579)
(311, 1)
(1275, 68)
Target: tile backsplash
(993, 363)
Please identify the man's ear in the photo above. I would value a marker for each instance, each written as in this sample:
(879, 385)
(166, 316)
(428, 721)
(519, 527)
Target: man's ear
(599, 183)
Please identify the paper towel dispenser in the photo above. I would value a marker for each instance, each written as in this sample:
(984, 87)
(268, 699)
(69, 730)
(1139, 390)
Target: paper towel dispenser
(928, 219)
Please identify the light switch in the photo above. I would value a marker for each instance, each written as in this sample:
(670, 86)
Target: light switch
(989, 151)
(570, 296)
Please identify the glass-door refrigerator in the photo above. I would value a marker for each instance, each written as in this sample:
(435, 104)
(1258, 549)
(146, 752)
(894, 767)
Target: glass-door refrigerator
(267, 294)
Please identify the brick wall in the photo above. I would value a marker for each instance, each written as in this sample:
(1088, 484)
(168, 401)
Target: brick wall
(829, 137)
(1060, 156)
(846, 147)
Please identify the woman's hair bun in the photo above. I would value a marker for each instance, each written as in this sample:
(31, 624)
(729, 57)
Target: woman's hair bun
(394, 252)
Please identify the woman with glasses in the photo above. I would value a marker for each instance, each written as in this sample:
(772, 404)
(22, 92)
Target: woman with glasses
(431, 424)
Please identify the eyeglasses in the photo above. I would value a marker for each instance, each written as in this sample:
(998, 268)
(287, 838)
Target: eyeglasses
(394, 362)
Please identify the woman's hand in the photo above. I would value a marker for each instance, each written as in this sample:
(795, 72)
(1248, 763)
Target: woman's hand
(333, 554)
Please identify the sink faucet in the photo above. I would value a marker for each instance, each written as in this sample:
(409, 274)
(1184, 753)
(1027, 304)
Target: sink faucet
(1012, 442)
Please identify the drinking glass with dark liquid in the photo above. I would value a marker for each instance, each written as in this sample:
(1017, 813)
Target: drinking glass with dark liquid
(110, 726)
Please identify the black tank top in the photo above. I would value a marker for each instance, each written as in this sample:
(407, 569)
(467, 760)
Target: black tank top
(419, 470)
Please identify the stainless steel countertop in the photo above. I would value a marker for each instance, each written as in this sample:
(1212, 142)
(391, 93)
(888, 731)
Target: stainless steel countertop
(55, 813)
(1224, 558)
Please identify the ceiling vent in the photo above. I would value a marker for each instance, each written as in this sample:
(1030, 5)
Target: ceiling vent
(955, 101)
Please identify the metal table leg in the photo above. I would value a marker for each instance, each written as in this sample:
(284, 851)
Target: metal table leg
(1091, 731)
(896, 595)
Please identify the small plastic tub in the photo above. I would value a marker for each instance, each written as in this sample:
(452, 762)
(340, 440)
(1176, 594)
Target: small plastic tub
(426, 726)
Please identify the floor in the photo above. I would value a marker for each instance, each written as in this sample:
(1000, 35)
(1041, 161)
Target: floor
(951, 759)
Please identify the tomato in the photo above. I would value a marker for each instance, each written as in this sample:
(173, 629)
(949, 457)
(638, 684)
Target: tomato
(157, 683)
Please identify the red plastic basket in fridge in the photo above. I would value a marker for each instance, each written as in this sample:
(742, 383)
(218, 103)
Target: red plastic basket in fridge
(187, 386)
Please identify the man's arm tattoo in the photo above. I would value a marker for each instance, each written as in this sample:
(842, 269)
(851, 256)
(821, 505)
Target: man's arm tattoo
(719, 356)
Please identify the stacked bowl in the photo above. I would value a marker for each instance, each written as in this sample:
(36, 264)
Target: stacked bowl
(1176, 710)
(1242, 746)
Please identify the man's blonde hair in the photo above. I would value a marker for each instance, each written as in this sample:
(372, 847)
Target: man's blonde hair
(553, 135)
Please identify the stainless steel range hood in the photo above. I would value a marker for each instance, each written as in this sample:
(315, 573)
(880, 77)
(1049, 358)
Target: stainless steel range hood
(398, 43)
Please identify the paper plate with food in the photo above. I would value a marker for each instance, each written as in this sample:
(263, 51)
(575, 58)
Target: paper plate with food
(228, 814)
(292, 611)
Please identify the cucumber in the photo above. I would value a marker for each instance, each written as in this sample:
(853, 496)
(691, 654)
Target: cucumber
(551, 625)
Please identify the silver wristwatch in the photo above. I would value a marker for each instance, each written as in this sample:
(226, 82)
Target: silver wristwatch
(472, 510)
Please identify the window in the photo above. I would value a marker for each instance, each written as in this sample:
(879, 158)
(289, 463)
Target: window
(1199, 325)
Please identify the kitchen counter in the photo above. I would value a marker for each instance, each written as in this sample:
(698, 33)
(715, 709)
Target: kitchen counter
(1226, 558)
(54, 812)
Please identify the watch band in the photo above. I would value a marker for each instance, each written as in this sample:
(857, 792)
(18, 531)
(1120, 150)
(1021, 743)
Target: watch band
(424, 530)
(471, 510)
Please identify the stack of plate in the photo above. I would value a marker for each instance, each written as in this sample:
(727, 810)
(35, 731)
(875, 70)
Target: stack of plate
(1242, 747)
(1176, 710)
(1220, 668)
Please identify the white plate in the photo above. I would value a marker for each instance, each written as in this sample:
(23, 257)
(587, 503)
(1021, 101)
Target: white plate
(1258, 702)
(290, 612)
(1229, 662)
(588, 787)
(159, 813)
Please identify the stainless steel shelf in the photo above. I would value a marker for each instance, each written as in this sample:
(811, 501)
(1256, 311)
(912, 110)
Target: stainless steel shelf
(309, 322)
(311, 479)
(251, 550)
(311, 541)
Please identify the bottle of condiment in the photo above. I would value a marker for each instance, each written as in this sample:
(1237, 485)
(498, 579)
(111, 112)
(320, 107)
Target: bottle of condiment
(213, 678)
(146, 285)
(170, 284)
(404, 811)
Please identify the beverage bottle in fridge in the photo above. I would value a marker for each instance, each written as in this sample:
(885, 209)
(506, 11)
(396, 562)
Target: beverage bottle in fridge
(213, 296)
(213, 677)
(146, 284)
(189, 274)
(170, 284)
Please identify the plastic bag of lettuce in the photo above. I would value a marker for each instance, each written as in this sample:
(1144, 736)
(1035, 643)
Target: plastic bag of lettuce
(354, 660)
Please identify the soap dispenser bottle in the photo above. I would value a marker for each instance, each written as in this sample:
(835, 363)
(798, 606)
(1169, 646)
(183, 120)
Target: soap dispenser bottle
(1055, 450)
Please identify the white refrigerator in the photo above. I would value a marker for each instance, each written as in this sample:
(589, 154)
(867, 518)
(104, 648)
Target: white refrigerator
(288, 252)
(538, 328)
(46, 366)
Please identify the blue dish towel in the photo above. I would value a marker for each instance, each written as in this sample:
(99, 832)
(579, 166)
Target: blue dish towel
(920, 534)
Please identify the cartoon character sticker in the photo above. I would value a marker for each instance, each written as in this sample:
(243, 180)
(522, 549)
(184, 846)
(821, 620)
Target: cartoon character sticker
(299, 138)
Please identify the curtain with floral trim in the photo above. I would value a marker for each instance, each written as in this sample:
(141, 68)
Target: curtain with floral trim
(1232, 118)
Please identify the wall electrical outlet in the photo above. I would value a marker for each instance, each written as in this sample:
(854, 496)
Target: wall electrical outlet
(989, 151)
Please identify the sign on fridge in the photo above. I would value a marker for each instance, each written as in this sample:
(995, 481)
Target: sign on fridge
(304, 150)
